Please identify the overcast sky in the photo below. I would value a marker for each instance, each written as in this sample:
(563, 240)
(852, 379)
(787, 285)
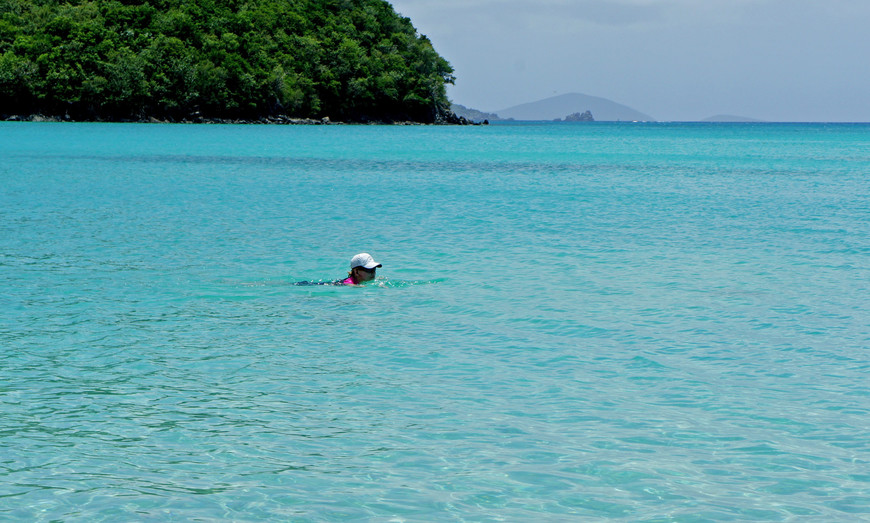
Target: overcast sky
(776, 60)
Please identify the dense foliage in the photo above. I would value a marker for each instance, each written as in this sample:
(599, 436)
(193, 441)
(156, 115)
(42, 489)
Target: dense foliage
(351, 60)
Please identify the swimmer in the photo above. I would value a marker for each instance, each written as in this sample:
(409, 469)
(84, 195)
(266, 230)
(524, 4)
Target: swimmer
(362, 269)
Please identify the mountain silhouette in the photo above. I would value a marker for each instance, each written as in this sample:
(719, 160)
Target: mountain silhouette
(560, 106)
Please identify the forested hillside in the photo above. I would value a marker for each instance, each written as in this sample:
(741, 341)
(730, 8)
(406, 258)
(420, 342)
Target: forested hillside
(350, 60)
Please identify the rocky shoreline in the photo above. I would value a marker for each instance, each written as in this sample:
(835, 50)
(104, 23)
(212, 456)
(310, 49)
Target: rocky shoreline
(451, 119)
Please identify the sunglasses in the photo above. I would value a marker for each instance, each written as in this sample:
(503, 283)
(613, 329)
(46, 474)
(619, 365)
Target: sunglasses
(367, 270)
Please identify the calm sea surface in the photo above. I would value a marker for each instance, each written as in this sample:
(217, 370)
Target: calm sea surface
(641, 322)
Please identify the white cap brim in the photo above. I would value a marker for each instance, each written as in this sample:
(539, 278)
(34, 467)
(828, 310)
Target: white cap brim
(364, 260)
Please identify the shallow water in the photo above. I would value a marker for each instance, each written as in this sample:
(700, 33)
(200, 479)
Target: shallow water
(658, 322)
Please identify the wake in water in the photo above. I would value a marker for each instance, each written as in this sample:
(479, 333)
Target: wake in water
(380, 282)
(307, 283)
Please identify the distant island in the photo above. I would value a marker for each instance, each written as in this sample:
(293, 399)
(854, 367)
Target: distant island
(579, 108)
(557, 107)
(544, 110)
(204, 60)
(473, 115)
(578, 117)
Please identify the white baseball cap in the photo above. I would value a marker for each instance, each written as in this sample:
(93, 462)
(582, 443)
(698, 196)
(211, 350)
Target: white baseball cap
(365, 260)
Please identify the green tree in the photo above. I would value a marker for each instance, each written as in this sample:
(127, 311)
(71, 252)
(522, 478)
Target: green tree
(108, 59)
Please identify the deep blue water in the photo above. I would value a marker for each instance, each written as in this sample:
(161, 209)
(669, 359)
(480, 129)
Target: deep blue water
(641, 322)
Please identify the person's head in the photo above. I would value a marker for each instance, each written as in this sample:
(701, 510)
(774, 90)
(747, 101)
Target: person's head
(363, 267)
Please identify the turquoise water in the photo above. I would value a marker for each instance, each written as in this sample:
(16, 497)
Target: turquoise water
(641, 322)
